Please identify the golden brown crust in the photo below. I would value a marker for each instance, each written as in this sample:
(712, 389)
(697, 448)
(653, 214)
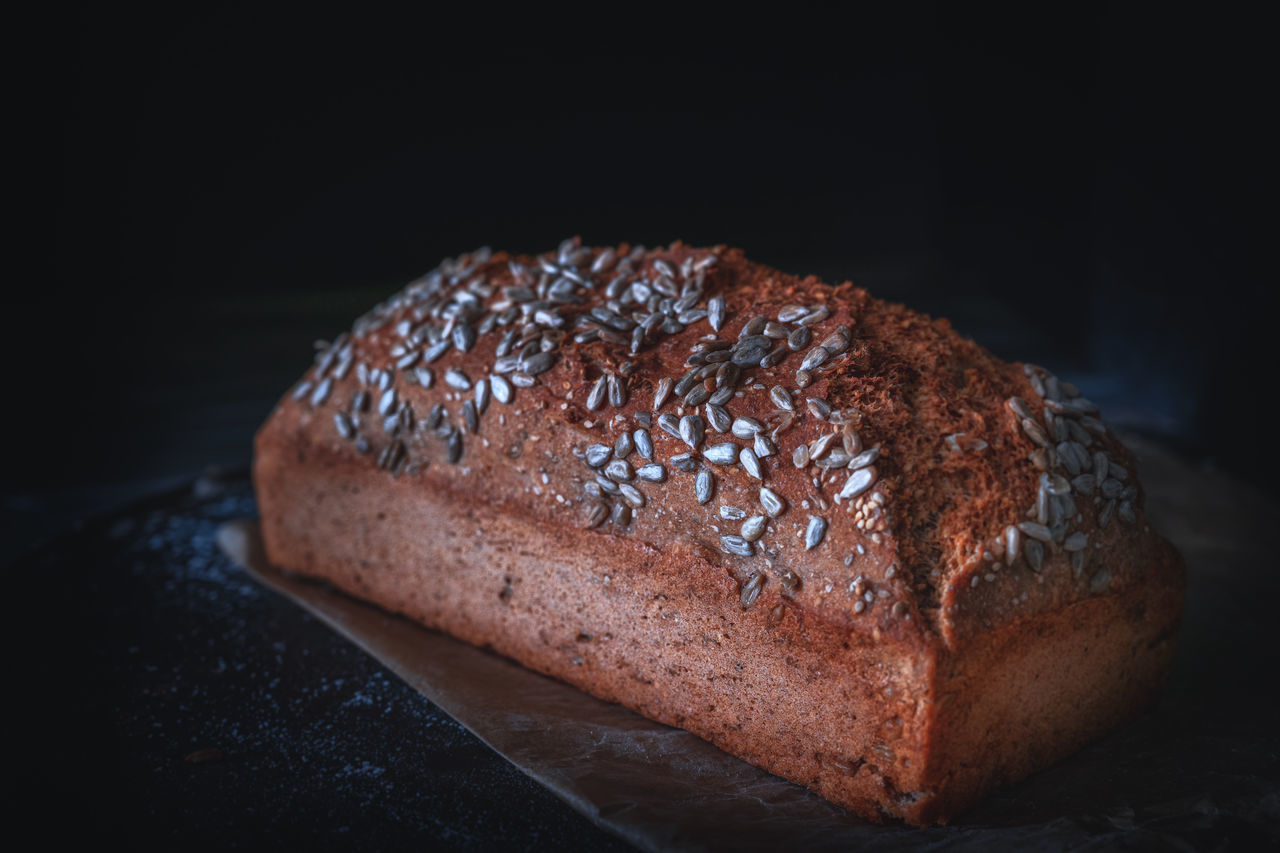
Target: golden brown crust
(909, 575)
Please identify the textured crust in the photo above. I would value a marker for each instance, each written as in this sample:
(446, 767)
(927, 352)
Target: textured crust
(899, 667)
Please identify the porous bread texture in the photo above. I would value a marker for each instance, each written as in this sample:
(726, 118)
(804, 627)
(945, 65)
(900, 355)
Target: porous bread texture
(902, 666)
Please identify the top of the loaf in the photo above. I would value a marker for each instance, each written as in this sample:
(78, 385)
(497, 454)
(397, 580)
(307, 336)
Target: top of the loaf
(840, 457)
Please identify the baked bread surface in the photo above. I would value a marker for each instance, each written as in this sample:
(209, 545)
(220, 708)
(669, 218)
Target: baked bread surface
(825, 532)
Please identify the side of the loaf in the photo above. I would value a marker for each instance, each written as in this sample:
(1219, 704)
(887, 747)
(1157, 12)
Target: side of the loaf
(821, 706)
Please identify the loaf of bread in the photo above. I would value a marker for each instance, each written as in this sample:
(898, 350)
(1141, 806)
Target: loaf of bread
(824, 532)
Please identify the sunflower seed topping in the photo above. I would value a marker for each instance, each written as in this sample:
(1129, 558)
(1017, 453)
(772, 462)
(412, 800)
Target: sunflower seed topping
(740, 547)
(686, 462)
(722, 454)
(1036, 531)
(344, 426)
(644, 444)
(619, 470)
(800, 457)
(662, 392)
(598, 454)
(652, 473)
(751, 463)
(669, 424)
(704, 486)
(773, 505)
(1034, 552)
(596, 398)
(815, 532)
(321, 394)
(715, 312)
(781, 398)
(859, 481)
(692, 430)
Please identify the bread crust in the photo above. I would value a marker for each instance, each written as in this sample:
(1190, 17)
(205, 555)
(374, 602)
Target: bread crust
(900, 666)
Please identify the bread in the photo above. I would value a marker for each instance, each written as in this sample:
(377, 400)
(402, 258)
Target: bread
(858, 550)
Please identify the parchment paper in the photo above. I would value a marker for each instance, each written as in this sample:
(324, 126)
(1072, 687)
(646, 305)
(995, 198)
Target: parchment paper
(664, 789)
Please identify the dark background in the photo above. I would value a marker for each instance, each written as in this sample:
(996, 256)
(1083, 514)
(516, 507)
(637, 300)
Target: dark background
(1087, 190)
(1080, 190)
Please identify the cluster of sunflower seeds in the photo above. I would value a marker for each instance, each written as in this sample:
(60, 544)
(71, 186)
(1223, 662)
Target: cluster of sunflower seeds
(529, 311)
(1069, 448)
(526, 312)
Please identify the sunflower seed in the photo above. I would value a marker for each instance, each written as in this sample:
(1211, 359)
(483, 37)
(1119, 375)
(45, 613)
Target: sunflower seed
(623, 446)
(703, 486)
(781, 398)
(1127, 513)
(596, 398)
(1076, 542)
(502, 390)
(751, 463)
(1018, 407)
(791, 313)
(302, 390)
(436, 350)
(321, 394)
(538, 363)
(817, 315)
(773, 505)
(387, 403)
(814, 533)
(596, 516)
(686, 462)
(838, 341)
(456, 379)
(722, 454)
(464, 337)
(717, 417)
(859, 481)
(850, 440)
(751, 589)
(1012, 543)
(453, 452)
(799, 338)
(732, 513)
(652, 473)
(815, 358)
(800, 457)
(746, 427)
(697, 396)
(470, 416)
(633, 496)
(1111, 487)
(763, 446)
(617, 391)
(621, 516)
(482, 396)
(727, 375)
(644, 444)
(1036, 531)
(752, 327)
(1035, 432)
(715, 312)
(865, 458)
(663, 391)
(803, 378)
(343, 423)
(1034, 552)
(739, 546)
(692, 430)
(619, 470)
(598, 454)
(819, 447)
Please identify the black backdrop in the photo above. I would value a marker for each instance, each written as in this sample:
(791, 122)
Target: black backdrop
(1080, 189)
